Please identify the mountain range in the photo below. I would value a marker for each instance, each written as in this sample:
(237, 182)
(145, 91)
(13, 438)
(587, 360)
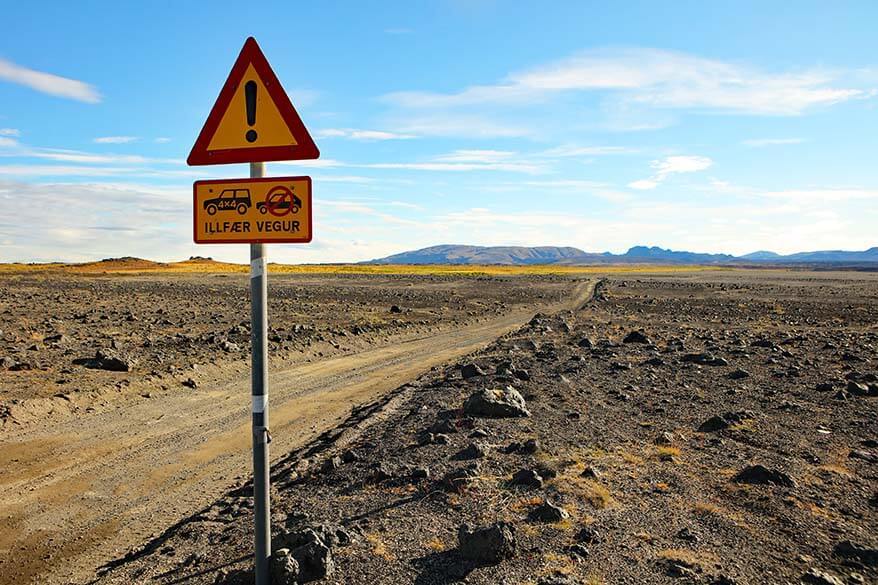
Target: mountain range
(522, 255)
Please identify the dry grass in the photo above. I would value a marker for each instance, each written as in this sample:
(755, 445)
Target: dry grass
(436, 545)
(687, 558)
(554, 563)
(379, 549)
(667, 453)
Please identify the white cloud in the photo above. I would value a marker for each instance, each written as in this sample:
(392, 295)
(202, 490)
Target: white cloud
(364, 135)
(162, 140)
(49, 83)
(643, 184)
(115, 139)
(671, 165)
(7, 142)
(760, 142)
(479, 156)
(454, 124)
(680, 164)
(10, 132)
(572, 150)
(653, 77)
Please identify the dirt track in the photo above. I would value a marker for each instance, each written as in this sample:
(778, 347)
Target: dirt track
(80, 492)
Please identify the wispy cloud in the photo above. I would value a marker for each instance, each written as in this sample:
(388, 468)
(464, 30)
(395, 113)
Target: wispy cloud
(115, 139)
(6, 142)
(162, 140)
(760, 142)
(49, 83)
(575, 151)
(364, 135)
(672, 165)
(656, 78)
(10, 132)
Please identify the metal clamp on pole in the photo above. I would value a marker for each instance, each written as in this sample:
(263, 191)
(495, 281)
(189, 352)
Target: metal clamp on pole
(261, 435)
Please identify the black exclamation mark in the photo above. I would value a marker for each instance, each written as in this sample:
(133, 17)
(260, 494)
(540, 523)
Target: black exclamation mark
(250, 96)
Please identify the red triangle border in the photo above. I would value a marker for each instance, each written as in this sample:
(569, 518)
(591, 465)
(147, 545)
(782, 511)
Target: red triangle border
(251, 54)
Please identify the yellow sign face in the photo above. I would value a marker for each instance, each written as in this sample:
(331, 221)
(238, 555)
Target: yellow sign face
(251, 119)
(242, 211)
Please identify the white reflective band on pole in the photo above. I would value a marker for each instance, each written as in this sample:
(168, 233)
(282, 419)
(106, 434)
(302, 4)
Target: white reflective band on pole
(257, 267)
(259, 403)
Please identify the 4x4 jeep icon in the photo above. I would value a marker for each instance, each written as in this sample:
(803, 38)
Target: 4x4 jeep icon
(229, 200)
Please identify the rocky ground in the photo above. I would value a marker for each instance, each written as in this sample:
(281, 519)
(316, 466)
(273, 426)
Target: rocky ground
(715, 428)
(73, 343)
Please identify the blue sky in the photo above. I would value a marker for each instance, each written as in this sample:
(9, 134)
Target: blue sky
(708, 126)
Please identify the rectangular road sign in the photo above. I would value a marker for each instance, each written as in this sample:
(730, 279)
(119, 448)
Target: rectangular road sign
(243, 211)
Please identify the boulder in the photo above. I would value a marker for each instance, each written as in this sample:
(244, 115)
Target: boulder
(761, 475)
(527, 478)
(487, 545)
(637, 337)
(471, 371)
(506, 403)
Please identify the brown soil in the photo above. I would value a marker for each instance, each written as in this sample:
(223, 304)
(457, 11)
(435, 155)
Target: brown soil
(93, 462)
(664, 504)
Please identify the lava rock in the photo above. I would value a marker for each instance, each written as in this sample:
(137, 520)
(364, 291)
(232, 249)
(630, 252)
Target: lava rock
(713, 424)
(761, 475)
(637, 337)
(284, 568)
(471, 371)
(489, 545)
(548, 512)
(472, 451)
(107, 359)
(851, 550)
(528, 478)
(815, 576)
(505, 403)
(704, 359)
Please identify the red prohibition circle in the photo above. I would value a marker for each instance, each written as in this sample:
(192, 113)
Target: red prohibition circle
(275, 200)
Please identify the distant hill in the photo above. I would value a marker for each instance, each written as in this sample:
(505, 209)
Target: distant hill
(522, 255)
(450, 254)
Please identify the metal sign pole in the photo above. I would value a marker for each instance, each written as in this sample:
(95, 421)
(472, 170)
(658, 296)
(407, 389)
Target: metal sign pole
(259, 392)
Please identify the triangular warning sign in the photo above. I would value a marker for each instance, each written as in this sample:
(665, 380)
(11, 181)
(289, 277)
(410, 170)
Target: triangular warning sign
(253, 119)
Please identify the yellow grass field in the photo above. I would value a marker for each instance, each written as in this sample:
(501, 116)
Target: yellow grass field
(202, 266)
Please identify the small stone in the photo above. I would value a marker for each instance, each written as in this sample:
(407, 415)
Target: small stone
(578, 550)
(815, 576)
(586, 343)
(530, 447)
(590, 473)
(473, 451)
(588, 535)
(420, 473)
(395, 309)
(548, 512)
(738, 374)
(284, 568)
(190, 383)
(664, 439)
